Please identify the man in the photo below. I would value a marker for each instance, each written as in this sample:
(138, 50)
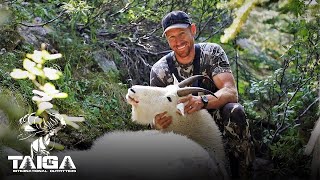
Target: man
(208, 59)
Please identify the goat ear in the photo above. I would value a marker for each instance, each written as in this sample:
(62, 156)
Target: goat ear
(175, 80)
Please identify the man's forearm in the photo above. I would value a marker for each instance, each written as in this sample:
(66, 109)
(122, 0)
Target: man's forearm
(225, 95)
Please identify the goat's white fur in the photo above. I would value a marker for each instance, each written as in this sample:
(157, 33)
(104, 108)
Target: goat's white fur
(140, 155)
(199, 126)
(151, 154)
(314, 146)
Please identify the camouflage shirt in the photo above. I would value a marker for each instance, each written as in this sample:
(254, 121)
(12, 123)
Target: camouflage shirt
(213, 60)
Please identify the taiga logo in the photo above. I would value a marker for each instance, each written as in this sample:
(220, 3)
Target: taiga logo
(42, 164)
(44, 129)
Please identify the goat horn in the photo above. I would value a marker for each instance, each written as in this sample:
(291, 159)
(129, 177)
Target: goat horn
(190, 80)
(189, 90)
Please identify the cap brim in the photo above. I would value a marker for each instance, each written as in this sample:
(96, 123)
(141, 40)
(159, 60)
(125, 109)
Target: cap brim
(175, 26)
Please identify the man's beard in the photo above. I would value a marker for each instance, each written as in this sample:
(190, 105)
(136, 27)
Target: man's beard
(184, 54)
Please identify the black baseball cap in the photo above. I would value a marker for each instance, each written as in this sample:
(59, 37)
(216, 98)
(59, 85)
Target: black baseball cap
(175, 19)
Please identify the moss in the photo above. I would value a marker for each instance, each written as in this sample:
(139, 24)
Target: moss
(13, 105)
(9, 38)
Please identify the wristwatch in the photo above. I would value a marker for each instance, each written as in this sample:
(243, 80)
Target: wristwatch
(205, 101)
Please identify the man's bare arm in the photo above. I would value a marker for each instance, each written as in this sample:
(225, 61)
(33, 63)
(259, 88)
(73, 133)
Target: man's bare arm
(227, 92)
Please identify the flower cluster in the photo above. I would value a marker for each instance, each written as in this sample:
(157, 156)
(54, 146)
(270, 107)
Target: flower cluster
(34, 70)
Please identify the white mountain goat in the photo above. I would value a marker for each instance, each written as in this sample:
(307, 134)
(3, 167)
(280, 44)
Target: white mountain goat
(199, 126)
(314, 146)
(152, 154)
(140, 155)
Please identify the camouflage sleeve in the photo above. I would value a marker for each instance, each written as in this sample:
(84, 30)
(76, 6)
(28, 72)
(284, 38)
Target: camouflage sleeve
(160, 74)
(155, 80)
(223, 62)
(219, 61)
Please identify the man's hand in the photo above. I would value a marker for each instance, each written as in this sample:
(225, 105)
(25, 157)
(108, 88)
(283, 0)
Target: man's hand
(161, 121)
(194, 103)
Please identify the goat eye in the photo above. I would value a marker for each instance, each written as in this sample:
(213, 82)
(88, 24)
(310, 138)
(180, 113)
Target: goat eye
(169, 98)
(132, 90)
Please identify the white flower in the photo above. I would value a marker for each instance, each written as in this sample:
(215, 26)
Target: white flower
(52, 74)
(42, 99)
(70, 120)
(41, 57)
(47, 56)
(36, 57)
(51, 90)
(19, 74)
(41, 93)
(31, 67)
(43, 106)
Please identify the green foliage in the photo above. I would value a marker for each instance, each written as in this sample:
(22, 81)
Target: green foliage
(15, 95)
(13, 105)
(275, 102)
(79, 11)
(8, 138)
(76, 7)
(288, 154)
(287, 100)
(27, 11)
(4, 15)
(297, 7)
(97, 96)
(241, 16)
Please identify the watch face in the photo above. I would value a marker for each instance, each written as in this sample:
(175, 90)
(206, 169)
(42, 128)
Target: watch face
(205, 99)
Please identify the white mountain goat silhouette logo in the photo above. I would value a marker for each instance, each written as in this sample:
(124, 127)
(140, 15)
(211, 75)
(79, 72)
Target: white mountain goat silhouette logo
(44, 129)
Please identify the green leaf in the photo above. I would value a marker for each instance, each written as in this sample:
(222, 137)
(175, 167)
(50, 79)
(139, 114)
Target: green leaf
(56, 145)
(60, 95)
